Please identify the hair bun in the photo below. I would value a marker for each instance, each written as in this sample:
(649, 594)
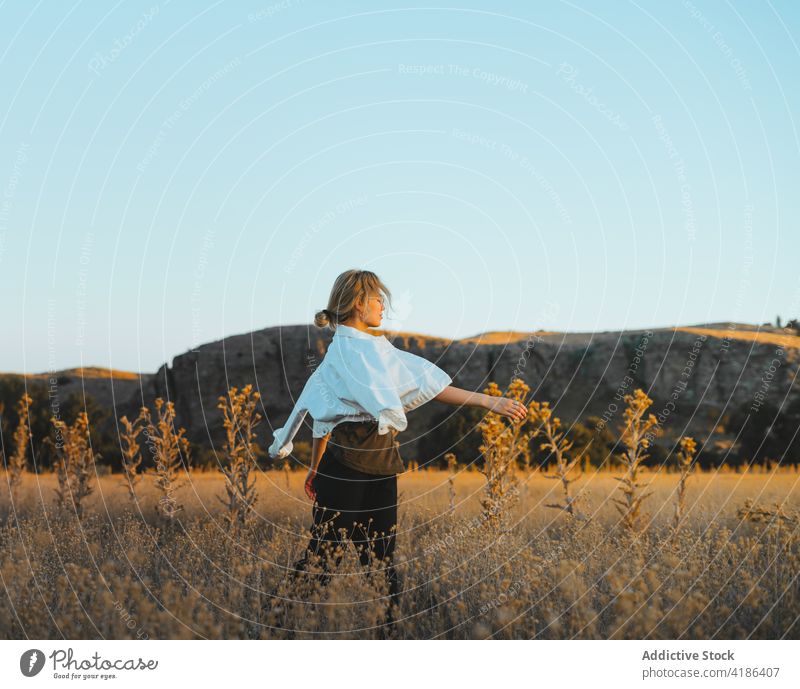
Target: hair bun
(323, 318)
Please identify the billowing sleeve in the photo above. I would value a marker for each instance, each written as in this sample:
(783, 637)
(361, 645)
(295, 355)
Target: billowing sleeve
(428, 380)
(387, 382)
(282, 444)
(320, 400)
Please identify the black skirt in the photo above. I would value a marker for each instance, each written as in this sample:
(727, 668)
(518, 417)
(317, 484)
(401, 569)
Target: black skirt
(354, 506)
(364, 502)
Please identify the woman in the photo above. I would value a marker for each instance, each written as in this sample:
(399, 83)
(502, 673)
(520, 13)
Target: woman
(358, 397)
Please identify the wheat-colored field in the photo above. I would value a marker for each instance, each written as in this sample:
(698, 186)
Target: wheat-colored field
(118, 573)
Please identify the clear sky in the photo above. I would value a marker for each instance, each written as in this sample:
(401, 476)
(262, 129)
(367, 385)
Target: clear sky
(173, 173)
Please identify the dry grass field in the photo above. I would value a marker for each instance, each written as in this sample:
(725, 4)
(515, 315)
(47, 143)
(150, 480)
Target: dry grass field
(124, 572)
(499, 550)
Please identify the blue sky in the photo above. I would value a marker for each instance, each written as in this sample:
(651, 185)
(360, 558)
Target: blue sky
(173, 173)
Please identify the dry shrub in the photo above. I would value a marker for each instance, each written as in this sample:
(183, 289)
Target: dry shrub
(131, 452)
(170, 450)
(685, 461)
(75, 463)
(635, 438)
(22, 436)
(777, 514)
(503, 442)
(240, 419)
(555, 441)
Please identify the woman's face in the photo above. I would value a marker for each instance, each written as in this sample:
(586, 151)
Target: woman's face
(373, 311)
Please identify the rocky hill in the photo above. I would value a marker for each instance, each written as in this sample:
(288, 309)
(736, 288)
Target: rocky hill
(695, 374)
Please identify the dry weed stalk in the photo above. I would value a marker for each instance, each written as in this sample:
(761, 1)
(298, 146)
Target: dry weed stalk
(502, 443)
(450, 458)
(22, 436)
(131, 452)
(75, 462)
(635, 438)
(287, 474)
(685, 460)
(240, 418)
(168, 448)
(556, 442)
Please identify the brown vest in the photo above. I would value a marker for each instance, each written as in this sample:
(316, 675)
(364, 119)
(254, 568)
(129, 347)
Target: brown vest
(358, 444)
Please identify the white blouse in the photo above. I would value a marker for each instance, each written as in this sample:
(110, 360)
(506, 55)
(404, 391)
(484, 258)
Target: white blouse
(362, 377)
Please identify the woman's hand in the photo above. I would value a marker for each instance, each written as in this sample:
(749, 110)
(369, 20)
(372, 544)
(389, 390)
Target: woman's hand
(513, 409)
(309, 485)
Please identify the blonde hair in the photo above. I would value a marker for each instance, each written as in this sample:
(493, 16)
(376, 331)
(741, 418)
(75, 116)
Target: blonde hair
(348, 288)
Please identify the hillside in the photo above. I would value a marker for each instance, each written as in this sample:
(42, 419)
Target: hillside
(695, 374)
(582, 374)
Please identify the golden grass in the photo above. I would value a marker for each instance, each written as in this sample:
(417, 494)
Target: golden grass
(504, 337)
(747, 335)
(87, 372)
(116, 575)
(507, 337)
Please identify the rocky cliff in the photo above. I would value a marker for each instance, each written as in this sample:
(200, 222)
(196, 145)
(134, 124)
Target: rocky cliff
(695, 375)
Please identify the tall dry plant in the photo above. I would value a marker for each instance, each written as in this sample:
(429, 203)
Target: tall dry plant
(636, 434)
(75, 463)
(555, 441)
(171, 453)
(22, 437)
(287, 474)
(450, 458)
(240, 418)
(131, 452)
(685, 461)
(503, 442)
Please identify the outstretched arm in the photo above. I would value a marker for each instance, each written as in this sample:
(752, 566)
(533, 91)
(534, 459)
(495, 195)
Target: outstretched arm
(500, 405)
